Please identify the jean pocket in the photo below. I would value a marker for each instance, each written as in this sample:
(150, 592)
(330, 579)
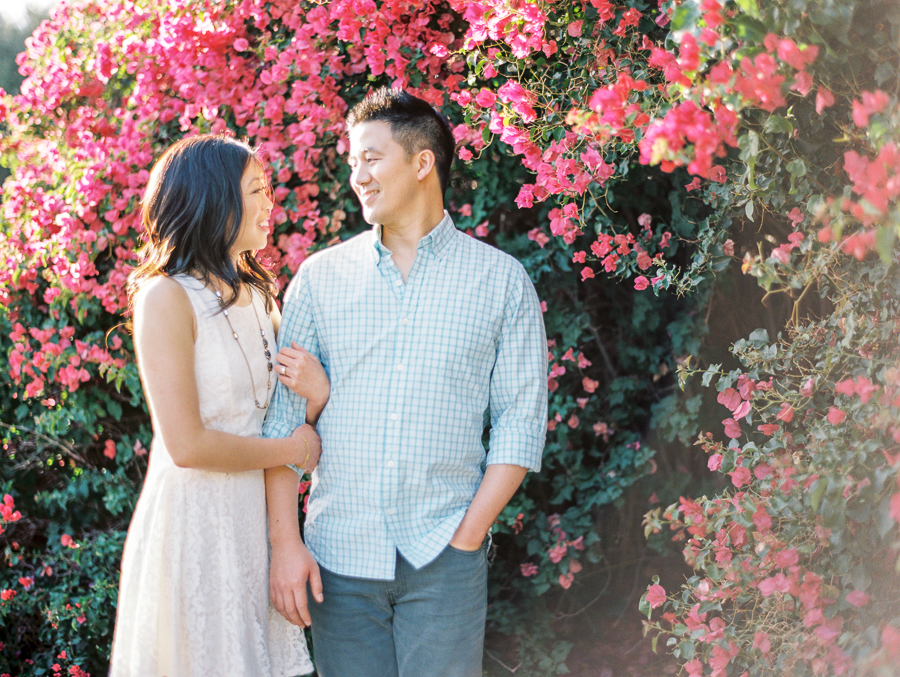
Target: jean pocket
(485, 544)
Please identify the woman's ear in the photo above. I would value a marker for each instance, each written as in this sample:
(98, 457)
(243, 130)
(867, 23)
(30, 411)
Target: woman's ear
(424, 163)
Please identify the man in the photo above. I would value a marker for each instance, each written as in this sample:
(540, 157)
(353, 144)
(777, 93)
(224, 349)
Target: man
(421, 330)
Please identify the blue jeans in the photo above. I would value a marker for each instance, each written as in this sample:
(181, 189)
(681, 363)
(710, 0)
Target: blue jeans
(425, 623)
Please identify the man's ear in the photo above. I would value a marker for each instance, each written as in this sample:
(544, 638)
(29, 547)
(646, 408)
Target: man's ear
(424, 163)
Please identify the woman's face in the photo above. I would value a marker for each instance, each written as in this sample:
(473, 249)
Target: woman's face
(257, 210)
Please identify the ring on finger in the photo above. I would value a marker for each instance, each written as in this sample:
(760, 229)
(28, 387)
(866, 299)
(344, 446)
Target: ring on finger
(283, 370)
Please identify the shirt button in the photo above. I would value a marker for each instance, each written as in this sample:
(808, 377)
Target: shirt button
(390, 511)
(391, 464)
(405, 320)
(399, 367)
(393, 417)
(398, 283)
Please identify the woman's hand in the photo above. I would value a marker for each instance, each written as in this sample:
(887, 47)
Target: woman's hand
(308, 456)
(304, 374)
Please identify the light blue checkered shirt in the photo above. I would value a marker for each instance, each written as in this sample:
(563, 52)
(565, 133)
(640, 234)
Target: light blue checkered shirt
(414, 367)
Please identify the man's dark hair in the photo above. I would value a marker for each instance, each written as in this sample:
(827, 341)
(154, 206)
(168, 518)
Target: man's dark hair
(415, 124)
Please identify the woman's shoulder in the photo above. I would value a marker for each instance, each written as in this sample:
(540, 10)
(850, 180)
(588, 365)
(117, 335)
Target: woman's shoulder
(161, 293)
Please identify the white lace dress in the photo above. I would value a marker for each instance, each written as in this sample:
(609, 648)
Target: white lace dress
(194, 590)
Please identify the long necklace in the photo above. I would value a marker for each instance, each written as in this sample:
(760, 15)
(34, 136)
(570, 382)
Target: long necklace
(265, 349)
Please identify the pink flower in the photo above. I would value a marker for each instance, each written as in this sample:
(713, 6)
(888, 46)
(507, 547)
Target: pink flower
(835, 415)
(872, 102)
(762, 521)
(26, 581)
(241, 45)
(464, 154)
(109, 449)
(557, 552)
(807, 389)
(574, 566)
(786, 414)
(858, 598)
(586, 273)
(786, 558)
(890, 639)
(732, 428)
(714, 462)
(589, 384)
(656, 596)
(864, 388)
(761, 642)
(894, 509)
(565, 580)
(641, 283)
(846, 387)
(742, 410)
(768, 428)
(67, 541)
(574, 28)
(485, 98)
(740, 476)
(824, 99)
(537, 235)
(528, 569)
(694, 668)
(729, 398)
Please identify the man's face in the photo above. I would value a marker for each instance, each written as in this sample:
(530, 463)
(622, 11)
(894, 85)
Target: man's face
(383, 177)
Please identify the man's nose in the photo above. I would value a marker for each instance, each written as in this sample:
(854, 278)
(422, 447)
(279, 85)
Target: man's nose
(360, 175)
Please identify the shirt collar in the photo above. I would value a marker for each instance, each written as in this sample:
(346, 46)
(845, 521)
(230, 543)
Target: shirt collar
(438, 240)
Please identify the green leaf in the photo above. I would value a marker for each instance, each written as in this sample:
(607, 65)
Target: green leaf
(710, 373)
(644, 607)
(685, 650)
(749, 145)
(815, 498)
(779, 125)
(684, 18)
(749, 6)
(796, 168)
(748, 209)
(759, 338)
(749, 29)
(884, 242)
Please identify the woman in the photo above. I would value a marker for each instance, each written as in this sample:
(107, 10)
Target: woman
(194, 597)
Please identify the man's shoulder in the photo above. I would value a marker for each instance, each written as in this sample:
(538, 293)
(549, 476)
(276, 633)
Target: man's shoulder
(487, 254)
(347, 252)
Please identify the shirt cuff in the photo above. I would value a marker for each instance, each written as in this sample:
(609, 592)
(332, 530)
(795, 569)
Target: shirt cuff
(522, 448)
(276, 429)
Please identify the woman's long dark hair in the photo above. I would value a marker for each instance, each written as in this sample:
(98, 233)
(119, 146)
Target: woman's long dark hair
(192, 212)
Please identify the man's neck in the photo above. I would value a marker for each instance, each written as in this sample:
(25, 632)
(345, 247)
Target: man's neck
(402, 238)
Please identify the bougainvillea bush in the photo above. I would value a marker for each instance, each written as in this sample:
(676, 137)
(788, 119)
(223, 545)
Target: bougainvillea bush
(797, 564)
(615, 148)
(108, 86)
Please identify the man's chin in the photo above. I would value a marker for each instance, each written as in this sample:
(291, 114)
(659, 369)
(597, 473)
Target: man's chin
(369, 217)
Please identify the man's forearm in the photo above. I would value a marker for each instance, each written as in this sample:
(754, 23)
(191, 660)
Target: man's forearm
(497, 487)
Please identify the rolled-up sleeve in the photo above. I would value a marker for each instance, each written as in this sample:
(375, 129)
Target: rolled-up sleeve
(518, 390)
(287, 409)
